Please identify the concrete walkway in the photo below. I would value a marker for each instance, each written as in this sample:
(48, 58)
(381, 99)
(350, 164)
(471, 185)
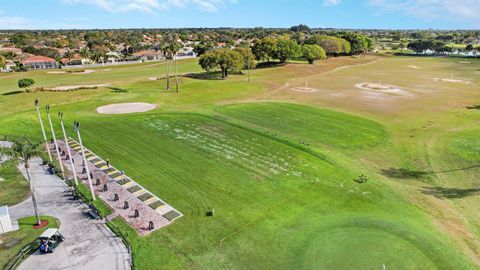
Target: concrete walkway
(89, 244)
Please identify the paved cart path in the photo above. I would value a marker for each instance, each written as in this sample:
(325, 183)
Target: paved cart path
(89, 244)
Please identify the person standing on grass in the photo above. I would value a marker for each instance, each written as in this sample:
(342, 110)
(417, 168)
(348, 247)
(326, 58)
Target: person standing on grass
(108, 163)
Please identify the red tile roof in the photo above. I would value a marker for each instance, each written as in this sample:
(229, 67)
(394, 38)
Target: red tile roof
(38, 58)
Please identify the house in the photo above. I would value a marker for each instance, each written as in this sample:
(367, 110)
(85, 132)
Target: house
(39, 62)
(11, 49)
(148, 55)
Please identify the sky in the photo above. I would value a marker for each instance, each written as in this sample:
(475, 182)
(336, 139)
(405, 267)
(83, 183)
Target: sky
(356, 14)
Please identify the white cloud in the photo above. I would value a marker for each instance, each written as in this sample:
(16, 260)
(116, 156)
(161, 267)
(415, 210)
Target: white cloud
(150, 6)
(453, 10)
(331, 2)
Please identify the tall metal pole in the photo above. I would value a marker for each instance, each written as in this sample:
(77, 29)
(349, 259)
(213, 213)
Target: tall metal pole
(176, 73)
(43, 130)
(60, 116)
(77, 129)
(55, 141)
(248, 64)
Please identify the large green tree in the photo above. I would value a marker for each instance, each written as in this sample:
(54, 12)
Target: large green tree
(287, 49)
(264, 49)
(313, 52)
(224, 59)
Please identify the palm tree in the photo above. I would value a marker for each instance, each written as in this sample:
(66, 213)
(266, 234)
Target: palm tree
(3, 61)
(22, 151)
(169, 48)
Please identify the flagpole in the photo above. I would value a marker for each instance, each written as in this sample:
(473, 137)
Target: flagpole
(55, 141)
(77, 129)
(43, 130)
(60, 116)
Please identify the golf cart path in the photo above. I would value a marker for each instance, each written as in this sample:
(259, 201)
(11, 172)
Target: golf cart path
(89, 244)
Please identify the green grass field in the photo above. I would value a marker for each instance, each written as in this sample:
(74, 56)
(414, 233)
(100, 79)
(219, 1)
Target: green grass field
(13, 187)
(278, 165)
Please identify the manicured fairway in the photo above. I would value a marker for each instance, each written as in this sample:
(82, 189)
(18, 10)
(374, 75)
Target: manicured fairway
(278, 168)
(270, 199)
(308, 125)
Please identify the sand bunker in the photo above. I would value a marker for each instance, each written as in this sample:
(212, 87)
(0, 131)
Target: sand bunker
(56, 72)
(76, 87)
(123, 108)
(414, 67)
(304, 89)
(382, 88)
(451, 80)
(464, 62)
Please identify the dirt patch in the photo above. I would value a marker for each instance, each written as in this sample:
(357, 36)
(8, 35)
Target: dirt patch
(76, 87)
(108, 69)
(124, 108)
(304, 89)
(153, 78)
(382, 88)
(86, 71)
(464, 62)
(413, 67)
(451, 80)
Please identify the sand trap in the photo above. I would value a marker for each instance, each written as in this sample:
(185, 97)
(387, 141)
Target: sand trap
(75, 87)
(123, 108)
(464, 62)
(414, 67)
(382, 88)
(304, 89)
(450, 80)
(56, 72)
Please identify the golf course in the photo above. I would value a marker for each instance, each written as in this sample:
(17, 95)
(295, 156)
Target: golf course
(278, 159)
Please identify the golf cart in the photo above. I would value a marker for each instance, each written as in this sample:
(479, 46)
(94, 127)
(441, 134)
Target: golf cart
(49, 240)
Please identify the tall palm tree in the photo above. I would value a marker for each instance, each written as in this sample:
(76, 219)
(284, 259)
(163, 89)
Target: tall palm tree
(3, 61)
(22, 151)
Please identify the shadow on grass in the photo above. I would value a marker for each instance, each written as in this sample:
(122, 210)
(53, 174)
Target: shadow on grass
(269, 65)
(13, 93)
(474, 107)
(450, 193)
(402, 173)
(205, 76)
(117, 90)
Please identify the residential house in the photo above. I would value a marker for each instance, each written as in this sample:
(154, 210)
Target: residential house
(149, 55)
(39, 62)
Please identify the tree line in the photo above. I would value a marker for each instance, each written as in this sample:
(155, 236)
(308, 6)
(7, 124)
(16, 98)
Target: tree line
(281, 48)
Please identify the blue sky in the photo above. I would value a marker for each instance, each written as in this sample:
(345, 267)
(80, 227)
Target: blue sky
(391, 14)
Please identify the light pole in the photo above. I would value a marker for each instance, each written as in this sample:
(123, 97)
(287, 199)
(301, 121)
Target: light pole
(248, 63)
(43, 130)
(176, 75)
(60, 116)
(76, 124)
(55, 140)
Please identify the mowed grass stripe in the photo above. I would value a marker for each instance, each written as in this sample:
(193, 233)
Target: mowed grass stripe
(303, 124)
